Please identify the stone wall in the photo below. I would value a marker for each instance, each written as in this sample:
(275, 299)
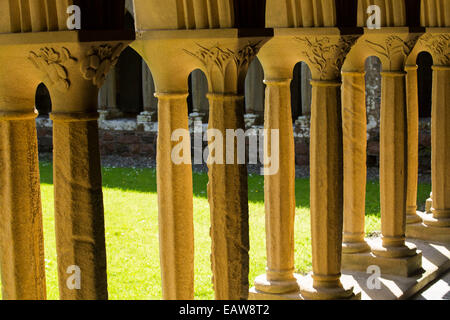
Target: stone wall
(127, 138)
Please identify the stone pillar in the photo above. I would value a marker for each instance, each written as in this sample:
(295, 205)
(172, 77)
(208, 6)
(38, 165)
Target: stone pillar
(254, 94)
(228, 200)
(412, 116)
(279, 195)
(393, 174)
(150, 113)
(354, 126)
(77, 177)
(21, 236)
(440, 160)
(108, 98)
(176, 224)
(199, 100)
(326, 195)
(79, 221)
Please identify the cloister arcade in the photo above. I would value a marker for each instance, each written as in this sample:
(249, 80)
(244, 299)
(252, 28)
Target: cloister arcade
(220, 38)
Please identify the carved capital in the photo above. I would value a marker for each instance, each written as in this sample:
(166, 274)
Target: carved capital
(53, 65)
(327, 54)
(98, 61)
(393, 48)
(226, 68)
(439, 46)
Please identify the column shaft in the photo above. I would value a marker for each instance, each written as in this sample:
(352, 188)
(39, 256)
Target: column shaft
(175, 203)
(440, 136)
(354, 126)
(228, 199)
(79, 219)
(412, 116)
(21, 236)
(279, 193)
(326, 193)
(393, 166)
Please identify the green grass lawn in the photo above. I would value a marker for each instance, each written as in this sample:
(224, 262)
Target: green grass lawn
(131, 213)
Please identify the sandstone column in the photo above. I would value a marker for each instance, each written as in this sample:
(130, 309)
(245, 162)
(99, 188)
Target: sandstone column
(279, 194)
(412, 116)
(176, 225)
(228, 199)
(21, 236)
(393, 168)
(354, 126)
(326, 194)
(440, 148)
(79, 221)
(77, 178)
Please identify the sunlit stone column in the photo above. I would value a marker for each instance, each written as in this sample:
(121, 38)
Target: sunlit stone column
(79, 221)
(412, 117)
(440, 149)
(326, 194)
(176, 225)
(21, 237)
(393, 168)
(354, 126)
(228, 199)
(279, 188)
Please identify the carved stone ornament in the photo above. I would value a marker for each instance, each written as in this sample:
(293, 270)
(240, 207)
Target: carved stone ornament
(439, 46)
(52, 63)
(99, 60)
(392, 47)
(219, 58)
(326, 55)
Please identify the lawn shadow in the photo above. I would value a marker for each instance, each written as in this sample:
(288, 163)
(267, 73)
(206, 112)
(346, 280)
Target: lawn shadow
(144, 180)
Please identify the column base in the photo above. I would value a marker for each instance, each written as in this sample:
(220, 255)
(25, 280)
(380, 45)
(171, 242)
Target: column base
(109, 114)
(404, 261)
(431, 221)
(428, 205)
(262, 284)
(252, 119)
(413, 218)
(147, 117)
(341, 292)
(196, 117)
(355, 247)
(276, 290)
(428, 232)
